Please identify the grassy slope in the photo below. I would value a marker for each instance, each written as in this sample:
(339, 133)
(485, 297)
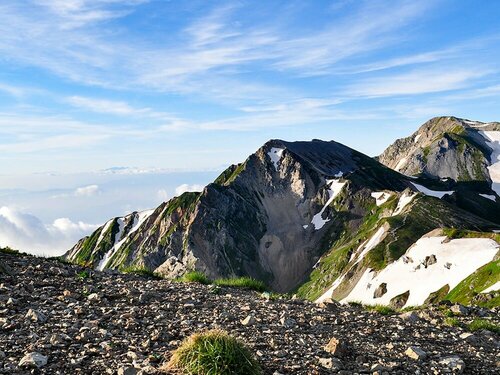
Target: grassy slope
(466, 291)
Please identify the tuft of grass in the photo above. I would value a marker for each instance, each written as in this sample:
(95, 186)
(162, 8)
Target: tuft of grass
(83, 274)
(213, 352)
(243, 282)
(451, 322)
(194, 277)
(478, 324)
(381, 309)
(141, 271)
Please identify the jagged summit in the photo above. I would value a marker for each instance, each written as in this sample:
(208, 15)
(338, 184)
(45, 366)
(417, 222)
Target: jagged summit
(447, 147)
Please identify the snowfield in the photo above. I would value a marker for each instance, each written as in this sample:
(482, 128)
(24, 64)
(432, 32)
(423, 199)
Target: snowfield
(404, 200)
(400, 164)
(491, 197)
(492, 288)
(120, 239)
(360, 253)
(431, 193)
(369, 245)
(381, 197)
(454, 261)
(275, 155)
(493, 141)
(335, 187)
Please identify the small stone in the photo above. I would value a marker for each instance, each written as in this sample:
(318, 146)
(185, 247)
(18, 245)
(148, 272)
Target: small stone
(409, 316)
(336, 347)
(36, 316)
(93, 297)
(288, 322)
(378, 367)
(454, 363)
(33, 360)
(331, 363)
(127, 370)
(416, 353)
(326, 362)
(459, 309)
(248, 321)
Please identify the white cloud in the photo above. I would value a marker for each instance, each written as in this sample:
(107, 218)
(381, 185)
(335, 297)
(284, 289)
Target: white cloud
(26, 232)
(186, 187)
(416, 82)
(104, 106)
(87, 191)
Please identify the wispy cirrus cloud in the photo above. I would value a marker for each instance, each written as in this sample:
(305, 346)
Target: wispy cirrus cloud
(212, 52)
(423, 81)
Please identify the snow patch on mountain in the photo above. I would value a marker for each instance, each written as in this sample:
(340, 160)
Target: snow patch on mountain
(452, 262)
(432, 193)
(488, 196)
(380, 197)
(329, 292)
(493, 141)
(335, 187)
(400, 164)
(121, 237)
(372, 242)
(275, 155)
(404, 200)
(104, 230)
(492, 288)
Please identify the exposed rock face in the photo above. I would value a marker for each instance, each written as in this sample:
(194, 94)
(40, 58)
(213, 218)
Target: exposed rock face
(444, 147)
(380, 291)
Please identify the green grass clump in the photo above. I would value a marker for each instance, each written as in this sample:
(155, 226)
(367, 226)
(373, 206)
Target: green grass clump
(194, 277)
(381, 309)
(243, 282)
(451, 322)
(478, 324)
(142, 271)
(213, 353)
(83, 274)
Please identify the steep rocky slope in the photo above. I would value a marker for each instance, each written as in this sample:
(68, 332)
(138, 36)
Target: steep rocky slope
(273, 217)
(450, 147)
(77, 321)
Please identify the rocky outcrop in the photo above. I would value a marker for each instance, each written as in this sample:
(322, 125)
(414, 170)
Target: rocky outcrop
(444, 147)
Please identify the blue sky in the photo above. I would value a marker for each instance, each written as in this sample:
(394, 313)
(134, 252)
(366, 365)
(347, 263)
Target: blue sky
(174, 91)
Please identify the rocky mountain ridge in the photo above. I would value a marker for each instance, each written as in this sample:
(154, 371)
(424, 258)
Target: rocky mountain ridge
(57, 318)
(447, 148)
(305, 216)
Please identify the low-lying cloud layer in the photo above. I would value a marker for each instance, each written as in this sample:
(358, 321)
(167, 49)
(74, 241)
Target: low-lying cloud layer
(20, 230)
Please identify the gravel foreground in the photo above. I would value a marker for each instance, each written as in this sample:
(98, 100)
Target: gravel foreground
(63, 319)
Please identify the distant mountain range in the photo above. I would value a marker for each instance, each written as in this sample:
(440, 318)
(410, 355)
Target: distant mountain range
(325, 221)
